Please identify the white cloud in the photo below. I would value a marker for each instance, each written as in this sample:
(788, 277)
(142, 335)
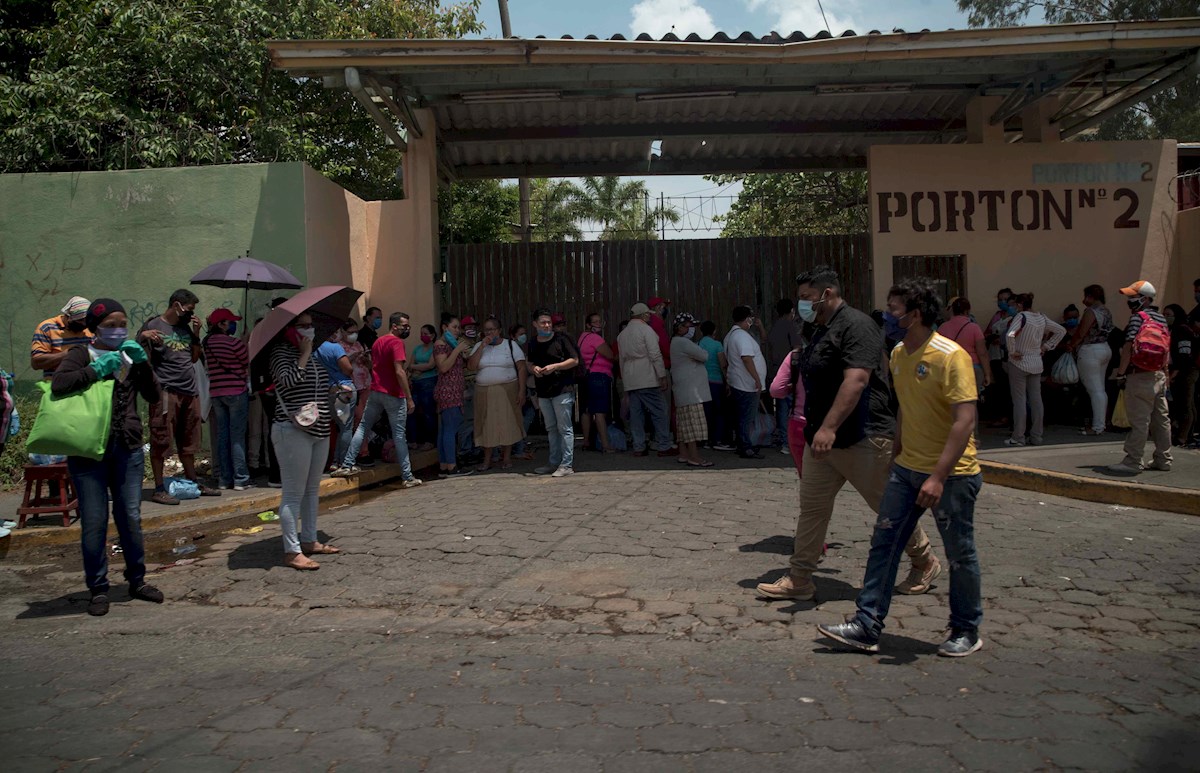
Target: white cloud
(805, 15)
(658, 17)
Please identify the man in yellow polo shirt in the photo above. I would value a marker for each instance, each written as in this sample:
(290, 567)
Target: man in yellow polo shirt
(935, 468)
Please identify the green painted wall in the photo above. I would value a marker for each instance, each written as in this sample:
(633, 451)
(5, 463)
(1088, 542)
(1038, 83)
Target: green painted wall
(137, 236)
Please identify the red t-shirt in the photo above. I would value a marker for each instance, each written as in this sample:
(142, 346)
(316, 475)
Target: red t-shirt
(386, 352)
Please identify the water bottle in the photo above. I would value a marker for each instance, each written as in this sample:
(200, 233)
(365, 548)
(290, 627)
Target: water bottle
(14, 426)
(183, 546)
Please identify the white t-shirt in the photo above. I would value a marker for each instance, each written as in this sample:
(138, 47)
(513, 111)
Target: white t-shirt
(497, 364)
(739, 344)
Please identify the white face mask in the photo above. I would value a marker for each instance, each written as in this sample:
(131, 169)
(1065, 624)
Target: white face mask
(691, 333)
(351, 337)
(309, 333)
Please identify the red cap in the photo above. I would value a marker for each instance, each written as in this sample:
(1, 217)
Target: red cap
(557, 319)
(655, 301)
(468, 320)
(222, 315)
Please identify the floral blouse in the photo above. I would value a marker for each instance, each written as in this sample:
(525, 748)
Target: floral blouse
(450, 385)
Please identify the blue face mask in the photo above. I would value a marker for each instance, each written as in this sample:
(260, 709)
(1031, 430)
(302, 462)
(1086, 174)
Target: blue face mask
(232, 328)
(112, 337)
(545, 333)
(377, 323)
(1071, 324)
(450, 338)
(521, 339)
(891, 326)
(806, 310)
(1002, 305)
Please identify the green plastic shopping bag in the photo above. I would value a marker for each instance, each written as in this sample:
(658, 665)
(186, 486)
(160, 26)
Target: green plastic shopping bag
(73, 425)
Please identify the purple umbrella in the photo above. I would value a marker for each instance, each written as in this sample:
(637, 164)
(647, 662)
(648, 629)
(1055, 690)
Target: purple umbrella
(249, 273)
(329, 305)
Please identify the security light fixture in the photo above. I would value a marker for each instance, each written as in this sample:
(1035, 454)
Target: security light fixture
(673, 95)
(526, 95)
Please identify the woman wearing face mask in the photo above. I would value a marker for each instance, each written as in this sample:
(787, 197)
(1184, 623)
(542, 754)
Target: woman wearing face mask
(424, 380)
(228, 364)
(360, 364)
(689, 383)
(300, 434)
(1089, 341)
(117, 477)
(999, 403)
(499, 393)
(521, 450)
(449, 355)
(1181, 384)
(598, 359)
(1029, 337)
(960, 329)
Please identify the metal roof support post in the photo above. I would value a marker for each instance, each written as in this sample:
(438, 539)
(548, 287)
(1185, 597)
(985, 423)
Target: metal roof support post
(1035, 121)
(354, 83)
(980, 129)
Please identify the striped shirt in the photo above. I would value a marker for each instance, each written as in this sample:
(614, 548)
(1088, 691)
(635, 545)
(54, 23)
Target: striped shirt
(1135, 322)
(228, 361)
(296, 388)
(1029, 335)
(53, 337)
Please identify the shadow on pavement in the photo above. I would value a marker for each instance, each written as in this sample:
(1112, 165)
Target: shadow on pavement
(71, 604)
(894, 650)
(1176, 749)
(263, 554)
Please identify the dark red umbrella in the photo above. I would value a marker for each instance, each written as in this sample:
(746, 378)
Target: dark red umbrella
(329, 305)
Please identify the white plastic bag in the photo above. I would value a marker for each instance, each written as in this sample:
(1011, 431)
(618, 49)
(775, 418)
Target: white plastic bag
(202, 389)
(1065, 371)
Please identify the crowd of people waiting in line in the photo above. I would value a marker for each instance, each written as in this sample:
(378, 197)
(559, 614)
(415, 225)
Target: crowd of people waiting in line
(471, 390)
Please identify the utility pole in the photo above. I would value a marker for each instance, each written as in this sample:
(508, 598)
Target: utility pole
(522, 183)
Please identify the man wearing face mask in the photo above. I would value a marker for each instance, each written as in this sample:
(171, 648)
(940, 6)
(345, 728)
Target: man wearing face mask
(228, 363)
(645, 379)
(1144, 360)
(746, 375)
(390, 394)
(372, 322)
(849, 432)
(173, 340)
(55, 336)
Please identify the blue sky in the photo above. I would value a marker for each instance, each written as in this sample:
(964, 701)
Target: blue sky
(578, 18)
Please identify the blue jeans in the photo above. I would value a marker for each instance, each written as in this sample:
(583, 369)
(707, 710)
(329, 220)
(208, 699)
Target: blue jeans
(746, 404)
(783, 412)
(231, 414)
(345, 432)
(426, 415)
(898, 516)
(448, 436)
(119, 476)
(396, 409)
(649, 401)
(528, 411)
(715, 411)
(558, 413)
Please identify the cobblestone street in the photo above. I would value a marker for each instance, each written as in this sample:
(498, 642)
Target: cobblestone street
(608, 621)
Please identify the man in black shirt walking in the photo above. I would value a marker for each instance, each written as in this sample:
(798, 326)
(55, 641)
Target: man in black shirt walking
(848, 435)
(552, 358)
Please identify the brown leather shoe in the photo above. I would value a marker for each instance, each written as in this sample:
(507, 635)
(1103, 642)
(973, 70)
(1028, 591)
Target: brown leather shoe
(163, 498)
(786, 587)
(920, 578)
(205, 491)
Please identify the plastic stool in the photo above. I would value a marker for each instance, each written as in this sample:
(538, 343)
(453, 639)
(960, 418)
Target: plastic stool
(35, 504)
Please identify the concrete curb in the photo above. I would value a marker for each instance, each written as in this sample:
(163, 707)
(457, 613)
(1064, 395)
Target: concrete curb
(1112, 492)
(332, 490)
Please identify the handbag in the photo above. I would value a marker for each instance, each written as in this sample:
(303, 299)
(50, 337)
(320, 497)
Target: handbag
(77, 424)
(1120, 417)
(1065, 371)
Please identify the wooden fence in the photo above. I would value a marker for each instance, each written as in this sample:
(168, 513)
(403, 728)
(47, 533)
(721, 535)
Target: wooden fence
(706, 277)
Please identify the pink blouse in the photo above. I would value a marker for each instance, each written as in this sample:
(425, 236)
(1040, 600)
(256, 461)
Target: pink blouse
(781, 383)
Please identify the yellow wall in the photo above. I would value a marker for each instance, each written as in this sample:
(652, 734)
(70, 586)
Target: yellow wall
(1185, 268)
(1081, 246)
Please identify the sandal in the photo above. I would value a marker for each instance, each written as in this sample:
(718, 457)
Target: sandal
(483, 468)
(320, 549)
(702, 463)
(299, 562)
(1090, 432)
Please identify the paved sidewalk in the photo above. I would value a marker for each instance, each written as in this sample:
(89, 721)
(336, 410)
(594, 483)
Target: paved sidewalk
(607, 621)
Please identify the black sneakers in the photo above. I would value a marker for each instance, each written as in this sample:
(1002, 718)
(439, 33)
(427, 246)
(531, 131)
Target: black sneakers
(98, 606)
(852, 634)
(960, 644)
(147, 593)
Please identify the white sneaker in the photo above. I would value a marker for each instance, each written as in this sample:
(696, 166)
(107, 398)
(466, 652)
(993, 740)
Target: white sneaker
(563, 472)
(785, 450)
(413, 483)
(1013, 442)
(1160, 466)
(545, 470)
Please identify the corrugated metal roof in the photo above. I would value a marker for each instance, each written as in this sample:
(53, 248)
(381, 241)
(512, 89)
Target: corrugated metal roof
(724, 37)
(560, 107)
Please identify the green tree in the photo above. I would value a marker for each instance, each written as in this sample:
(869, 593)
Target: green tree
(1174, 113)
(622, 208)
(478, 212)
(796, 203)
(87, 84)
(556, 210)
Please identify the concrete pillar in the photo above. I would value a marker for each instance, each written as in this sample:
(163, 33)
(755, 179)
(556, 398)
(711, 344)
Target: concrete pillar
(407, 253)
(1035, 121)
(980, 130)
